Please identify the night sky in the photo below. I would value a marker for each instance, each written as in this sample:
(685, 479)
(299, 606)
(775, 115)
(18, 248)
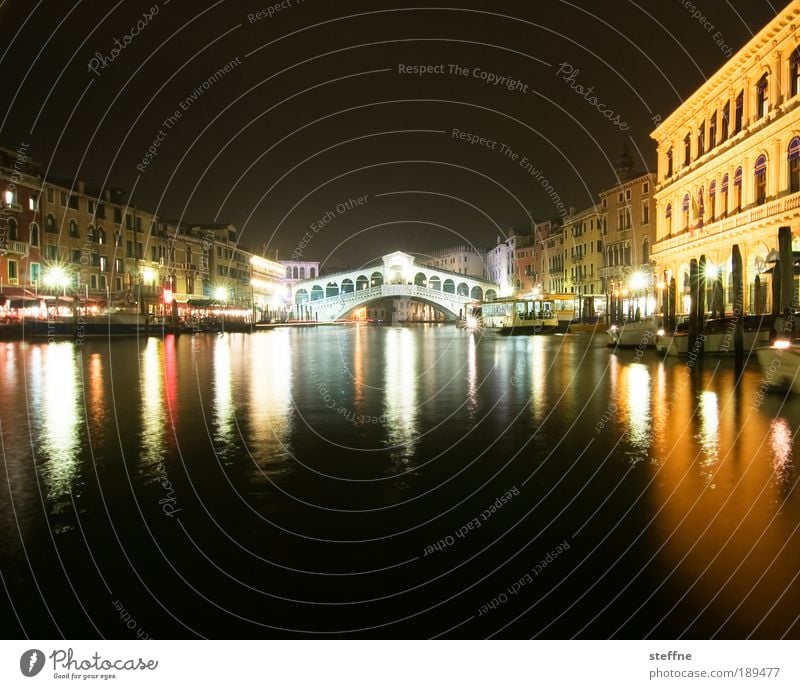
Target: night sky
(313, 110)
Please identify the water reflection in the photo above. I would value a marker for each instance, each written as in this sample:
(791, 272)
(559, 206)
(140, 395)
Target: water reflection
(472, 377)
(152, 390)
(223, 393)
(401, 389)
(782, 443)
(708, 414)
(57, 381)
(638, 403)
(270, 385)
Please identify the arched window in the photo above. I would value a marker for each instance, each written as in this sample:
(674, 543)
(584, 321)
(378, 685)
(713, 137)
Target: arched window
(712, 200)
(737, 190)
(288, 272)
(312, 273)
(687, 149)
(50, 223)
(794, 71)
(726, 118)
(73, 229)
(761, 179)
(295, 273)
(90, 233)
(11, 228)
(794, 165)
(685, 209)
(701, 139)
(762, 96)
(34, 234)
(723, 189)
(712, 131)
(701, 206)
(302, 272)
(669, 163)
(737, 118)
(646, 250)
(668, 218)
(101, 235)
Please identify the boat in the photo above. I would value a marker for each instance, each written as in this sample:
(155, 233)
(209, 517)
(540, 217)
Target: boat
(641, 333)
(780, 364)
(715, 336)
(92, 326)
(517, 316)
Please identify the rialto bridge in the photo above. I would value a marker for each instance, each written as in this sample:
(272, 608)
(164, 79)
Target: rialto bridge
(332, 297)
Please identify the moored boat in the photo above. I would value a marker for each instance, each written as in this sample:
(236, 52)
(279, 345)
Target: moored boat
(780, 364)
(715, 336)
(640, 333)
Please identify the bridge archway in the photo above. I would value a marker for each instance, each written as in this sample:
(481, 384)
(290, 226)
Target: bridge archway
(476, 293)
(331, 290)
(462, 290)
(435, 282)
(419, 279)
(362, 282)
(301, 296)
(449, 286)
(347, 286)
(317, 293)
(376, 279)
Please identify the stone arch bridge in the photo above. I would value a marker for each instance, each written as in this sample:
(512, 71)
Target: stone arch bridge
(332, 297)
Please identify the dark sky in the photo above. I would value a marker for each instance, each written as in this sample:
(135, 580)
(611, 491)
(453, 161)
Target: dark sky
(310, 120)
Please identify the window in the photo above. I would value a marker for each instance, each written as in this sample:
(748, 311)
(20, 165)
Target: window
(103, 264)
(139, 224)
(712, 193)
(103, 283)
(73, 229)
(101, 211)
(9, 197)
(646, 250)
(312, 273)
(33, 202)
(75, 255)
(761, 179)
(36, 272)
(685, 208)
(51, 195)
(118, 284)
(726, 116)
(11, 228)
(139, 251)
(52, 252)
(93, 281)
(34, 236)
(794, 165)
(645, 212)
(762, 96)
(737, 190)
(737, 122)
(701, 140)
(90, 206)
(118, 265)
(101, 235)
(646, 188)
(63, 198)
(700, 210)
(118, 216)
(128, 221)
(129, 248)
(669, 163)
(687, 150)
(620, 197)
(723, 208)
(604, 203)
(794, 71)
(90, 234)
(627, 194)
(712, 131)
(73, 202)
(12, 271)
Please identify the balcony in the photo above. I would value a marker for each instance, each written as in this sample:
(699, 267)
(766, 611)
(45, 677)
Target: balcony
(13, 247)
(771, 209)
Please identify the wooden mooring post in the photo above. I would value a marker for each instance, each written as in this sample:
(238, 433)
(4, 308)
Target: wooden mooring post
(738, 306)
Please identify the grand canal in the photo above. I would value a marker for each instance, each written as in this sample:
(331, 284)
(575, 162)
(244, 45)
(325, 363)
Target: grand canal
(392, 481)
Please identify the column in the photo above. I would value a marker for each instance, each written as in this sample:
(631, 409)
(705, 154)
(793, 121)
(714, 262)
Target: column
(747, 99)
(776, 81)
(776, 174)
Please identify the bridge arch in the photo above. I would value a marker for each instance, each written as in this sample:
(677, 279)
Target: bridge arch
(331, 290)
(435, 282)
(476, 293)
(376, 279)
(317, 293)
(362, 282)
(420, 279)
(347, 286)
(462, 290)
(301, 296)
(449, 286)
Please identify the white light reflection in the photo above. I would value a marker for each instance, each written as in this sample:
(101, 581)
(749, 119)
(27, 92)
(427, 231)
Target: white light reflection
(708, 411)
(782, 442)
(472, 375)
(223, 393)
(152, 390)
(270, 379)
(639, 406)
(60, 417)
(401, 388)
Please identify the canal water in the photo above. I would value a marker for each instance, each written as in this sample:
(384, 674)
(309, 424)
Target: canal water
(375, 481)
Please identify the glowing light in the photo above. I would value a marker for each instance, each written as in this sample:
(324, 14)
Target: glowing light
(148, 275)
(168, 296)
(56, 277)
(781, 344)
(661, 332)
(221, 294)
(638, 281)
(472, 323)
